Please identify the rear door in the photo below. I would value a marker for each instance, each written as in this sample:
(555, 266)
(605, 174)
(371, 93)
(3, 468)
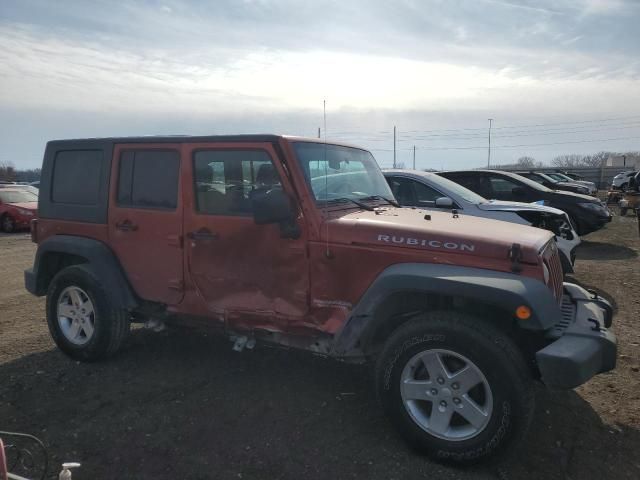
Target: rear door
(145, 219)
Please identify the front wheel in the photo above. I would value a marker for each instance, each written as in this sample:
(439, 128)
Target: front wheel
(8, 224)
(455, 387)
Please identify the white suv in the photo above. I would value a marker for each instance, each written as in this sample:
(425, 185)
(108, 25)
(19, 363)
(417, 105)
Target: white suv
(621, 180)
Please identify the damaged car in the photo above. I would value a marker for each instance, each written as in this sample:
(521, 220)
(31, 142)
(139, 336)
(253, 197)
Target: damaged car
(414, 188)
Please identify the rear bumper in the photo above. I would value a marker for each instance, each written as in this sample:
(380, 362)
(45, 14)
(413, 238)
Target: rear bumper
(582, 345)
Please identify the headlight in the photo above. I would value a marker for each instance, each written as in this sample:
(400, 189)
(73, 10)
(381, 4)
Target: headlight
(594, 207)
(545, 272)
(26, 213)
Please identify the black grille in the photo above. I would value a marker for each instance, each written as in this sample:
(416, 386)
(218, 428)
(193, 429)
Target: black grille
(551, 259)
(568, 310)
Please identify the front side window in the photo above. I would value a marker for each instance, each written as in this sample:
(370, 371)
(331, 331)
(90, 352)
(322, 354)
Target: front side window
(226, 180)
(334, 172)
(149, 179)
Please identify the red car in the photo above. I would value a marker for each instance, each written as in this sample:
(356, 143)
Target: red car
(17, 208)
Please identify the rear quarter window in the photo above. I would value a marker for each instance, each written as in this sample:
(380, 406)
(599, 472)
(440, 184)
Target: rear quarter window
(76, 177)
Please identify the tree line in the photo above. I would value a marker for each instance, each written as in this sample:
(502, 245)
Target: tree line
(570, 160)
(9, 173)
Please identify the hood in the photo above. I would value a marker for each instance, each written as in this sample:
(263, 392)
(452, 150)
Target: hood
(500, 206)
(33, 206)
(465, 235)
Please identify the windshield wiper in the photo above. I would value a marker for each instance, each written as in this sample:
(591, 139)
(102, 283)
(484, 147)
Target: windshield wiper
(390, 201)
(364, 206)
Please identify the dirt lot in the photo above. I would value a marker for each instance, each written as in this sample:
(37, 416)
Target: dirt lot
(185, 406)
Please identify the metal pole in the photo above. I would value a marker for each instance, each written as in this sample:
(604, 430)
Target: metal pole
(414, 157)
(489, 149)
(394, 146)
(318, 132)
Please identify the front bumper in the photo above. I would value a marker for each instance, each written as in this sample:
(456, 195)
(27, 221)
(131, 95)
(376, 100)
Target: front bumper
(582, 345)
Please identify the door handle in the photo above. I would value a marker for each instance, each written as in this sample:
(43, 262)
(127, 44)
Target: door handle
(203, 234)
(126, 226)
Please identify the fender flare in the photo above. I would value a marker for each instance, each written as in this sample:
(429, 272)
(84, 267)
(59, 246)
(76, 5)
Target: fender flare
(98, 256)
(504, 290)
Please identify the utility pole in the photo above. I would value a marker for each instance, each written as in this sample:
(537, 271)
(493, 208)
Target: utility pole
(394, 146)
(414, 157)
(318, 132)
(489, 149)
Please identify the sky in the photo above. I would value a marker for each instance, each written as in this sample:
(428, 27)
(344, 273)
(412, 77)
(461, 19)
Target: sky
(556, 76)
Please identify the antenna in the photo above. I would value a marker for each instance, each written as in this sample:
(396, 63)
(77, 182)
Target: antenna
(326, 181)
(489, 149)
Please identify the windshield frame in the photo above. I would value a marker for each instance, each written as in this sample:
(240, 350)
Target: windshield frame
(371, 169)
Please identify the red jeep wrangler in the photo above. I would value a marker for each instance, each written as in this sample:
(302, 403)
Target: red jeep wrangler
(300, 243)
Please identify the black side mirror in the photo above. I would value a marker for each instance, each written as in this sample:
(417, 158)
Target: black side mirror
(518, 191)
(270, 206)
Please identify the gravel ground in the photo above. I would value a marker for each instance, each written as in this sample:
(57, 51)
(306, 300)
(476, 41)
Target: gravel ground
(183, 405)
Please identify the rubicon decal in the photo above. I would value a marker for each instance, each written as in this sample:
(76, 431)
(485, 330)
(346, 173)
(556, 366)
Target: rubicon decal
(422, 242)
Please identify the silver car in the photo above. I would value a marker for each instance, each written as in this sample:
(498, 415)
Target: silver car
(414, 188)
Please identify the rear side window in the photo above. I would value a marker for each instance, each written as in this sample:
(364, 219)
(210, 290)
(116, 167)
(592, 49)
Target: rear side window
(226, 180)
(76, 177)
(149, 179)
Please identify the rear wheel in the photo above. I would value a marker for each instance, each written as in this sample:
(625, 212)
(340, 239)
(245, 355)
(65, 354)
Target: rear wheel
(8, 224)
(82, 319)
(455, 387)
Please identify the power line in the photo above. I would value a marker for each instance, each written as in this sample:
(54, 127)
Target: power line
(530, 145)
(483, 129)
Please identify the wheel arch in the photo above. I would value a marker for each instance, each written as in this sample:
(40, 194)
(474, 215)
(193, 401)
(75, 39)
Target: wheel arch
(403, 290)
(61, 251)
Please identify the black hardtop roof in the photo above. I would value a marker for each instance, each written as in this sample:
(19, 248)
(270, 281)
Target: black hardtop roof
(256, 138)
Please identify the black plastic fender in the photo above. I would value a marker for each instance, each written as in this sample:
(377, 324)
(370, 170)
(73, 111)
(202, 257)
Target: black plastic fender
(504, 290)
(98, 256)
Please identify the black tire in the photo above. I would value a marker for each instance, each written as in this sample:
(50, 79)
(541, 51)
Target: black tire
(8, 224)
(111, 324)
(495, 355)
(624, 187)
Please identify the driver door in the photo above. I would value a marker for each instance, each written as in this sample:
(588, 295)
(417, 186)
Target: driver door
(242, 271)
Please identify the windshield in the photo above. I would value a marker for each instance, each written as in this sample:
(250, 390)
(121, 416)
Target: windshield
(335, 172)
(17, 197)
(528, 182)
(449, 187)
(560, 177)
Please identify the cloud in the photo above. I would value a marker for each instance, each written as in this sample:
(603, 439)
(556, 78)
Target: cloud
(242, 64)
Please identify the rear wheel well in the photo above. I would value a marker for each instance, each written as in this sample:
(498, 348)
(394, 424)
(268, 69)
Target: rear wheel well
(51, 263)
(402, 307)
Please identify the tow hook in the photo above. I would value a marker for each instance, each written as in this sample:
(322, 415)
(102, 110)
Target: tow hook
(596, 325)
